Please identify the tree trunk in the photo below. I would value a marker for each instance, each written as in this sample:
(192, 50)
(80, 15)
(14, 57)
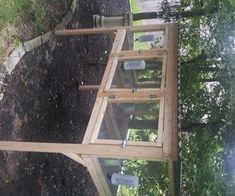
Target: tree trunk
(209, 80)
(200, 58)
(193, 126)
(143, 124)
(184, 14)
(157, 80)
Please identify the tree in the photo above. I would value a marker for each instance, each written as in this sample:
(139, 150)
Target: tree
(206, 65)
(168, 14)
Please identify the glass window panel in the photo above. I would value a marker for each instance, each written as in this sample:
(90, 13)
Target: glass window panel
(130, 121)
(144, 40)
(138, 74)
(153, 176)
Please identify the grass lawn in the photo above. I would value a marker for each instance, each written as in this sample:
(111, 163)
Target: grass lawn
(11, 12)
(136, 9)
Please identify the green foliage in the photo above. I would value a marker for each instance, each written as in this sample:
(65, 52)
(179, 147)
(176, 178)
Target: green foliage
(207, 85)
(152, 175)
(39, 14)
(232, 2)
(203, 176)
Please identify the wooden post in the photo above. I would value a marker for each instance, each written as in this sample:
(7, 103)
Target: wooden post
(96, 150)
(76, 158)
(90, 31)
(170, 95)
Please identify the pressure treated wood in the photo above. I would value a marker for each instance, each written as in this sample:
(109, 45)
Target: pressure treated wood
(95, 176)
(169, 95)
(132, 93)
(171, 178)
(89, 87)
(102, 178)
(76, 158)
(99, 150)
(129, 54)
(117, 46)
(99, 120)
(164, 93)
(146, 28)
(92, 121)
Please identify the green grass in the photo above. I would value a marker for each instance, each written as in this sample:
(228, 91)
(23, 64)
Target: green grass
(39, 14)
(136, 9)
(11, 10)
(134, 6)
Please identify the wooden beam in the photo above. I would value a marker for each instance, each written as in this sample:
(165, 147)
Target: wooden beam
(134, 99)
(126, 54)
(95, 177)
(162, 101)
(76, 158)
(102, 178)
(175, 96)
(117, 47)
(112, 62)
(100, 117)
(170, 98)
(92, 121)
(84, 31)
(98, 150)
(92, 87)
(143, 144)
(166, 37)
(89, 87)
(87, 31)
(164, 67)
(171, 178)
(161, 123)
(123, 92)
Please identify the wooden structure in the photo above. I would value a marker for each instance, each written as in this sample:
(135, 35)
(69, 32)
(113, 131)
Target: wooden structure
(118, 109)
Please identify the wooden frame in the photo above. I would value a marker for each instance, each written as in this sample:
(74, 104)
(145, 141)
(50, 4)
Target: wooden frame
(92, 148)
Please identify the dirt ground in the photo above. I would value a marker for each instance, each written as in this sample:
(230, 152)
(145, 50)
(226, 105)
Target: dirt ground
(42, 102)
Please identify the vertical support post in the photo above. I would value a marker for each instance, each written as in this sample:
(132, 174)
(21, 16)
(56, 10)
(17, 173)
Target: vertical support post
(170, 95)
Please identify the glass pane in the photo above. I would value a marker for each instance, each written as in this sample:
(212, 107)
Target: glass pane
(144, 40)
(148, 40)
(130, 122)
(152, 176)
(128, 42)
(138, 74)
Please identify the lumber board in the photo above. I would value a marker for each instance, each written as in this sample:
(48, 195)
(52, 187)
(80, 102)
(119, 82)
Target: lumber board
(76, 158)
(171, 80)
(99, 150)
(95, 177)
(125, 92)
(90, 31)
(100, 117)
(92, 121)
(101, 176)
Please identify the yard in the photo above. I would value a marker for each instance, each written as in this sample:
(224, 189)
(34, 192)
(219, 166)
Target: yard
(42, 101)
